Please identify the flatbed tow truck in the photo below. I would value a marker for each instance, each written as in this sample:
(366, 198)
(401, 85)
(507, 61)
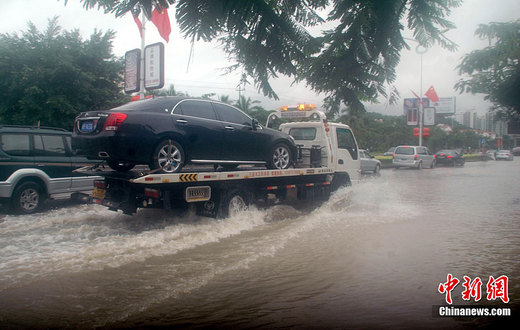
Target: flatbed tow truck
(327, 159)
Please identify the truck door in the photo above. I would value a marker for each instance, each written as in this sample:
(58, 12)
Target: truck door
(347, 154)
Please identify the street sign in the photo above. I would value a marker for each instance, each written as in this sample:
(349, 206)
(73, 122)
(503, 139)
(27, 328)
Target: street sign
(132, 70)
(154, 66)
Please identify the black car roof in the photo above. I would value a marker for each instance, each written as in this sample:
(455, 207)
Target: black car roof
(32, 129)
(163, 102)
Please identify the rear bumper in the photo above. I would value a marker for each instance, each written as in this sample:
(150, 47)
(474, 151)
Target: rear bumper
(107, 145)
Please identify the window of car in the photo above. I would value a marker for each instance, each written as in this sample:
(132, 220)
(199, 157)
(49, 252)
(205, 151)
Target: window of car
(303, 133)
(195, 108)
(49, 145)
(232, 115)
(404, 151)
(16, 144)
(346, 141)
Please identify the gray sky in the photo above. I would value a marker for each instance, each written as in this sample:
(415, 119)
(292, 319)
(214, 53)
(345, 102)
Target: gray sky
(204, 74)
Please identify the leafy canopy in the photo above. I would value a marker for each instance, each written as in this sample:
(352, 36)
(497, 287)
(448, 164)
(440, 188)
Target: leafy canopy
(495, 69)
(350, 63)
(53, 75)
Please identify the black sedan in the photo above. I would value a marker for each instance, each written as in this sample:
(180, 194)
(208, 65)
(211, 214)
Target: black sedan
(167, 133)
(451, 157)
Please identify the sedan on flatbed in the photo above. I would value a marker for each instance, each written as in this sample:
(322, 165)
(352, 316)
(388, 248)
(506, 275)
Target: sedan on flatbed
(167, 133)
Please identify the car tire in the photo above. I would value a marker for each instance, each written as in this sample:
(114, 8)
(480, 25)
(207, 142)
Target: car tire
(232, 203)
(377, 169)
(419, 166)
(168, 157)
(281, 157)
(27, 198)
(120, 166)
(432, 166)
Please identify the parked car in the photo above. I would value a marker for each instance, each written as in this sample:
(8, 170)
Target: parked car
(368, 163)
(167, 133)
(413, 156)
(504, 154)
(491, 154)
(449, 157)
(516, 151)
(38, 163)
(389, 152)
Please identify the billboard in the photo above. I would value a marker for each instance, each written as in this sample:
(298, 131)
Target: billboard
(445, 105)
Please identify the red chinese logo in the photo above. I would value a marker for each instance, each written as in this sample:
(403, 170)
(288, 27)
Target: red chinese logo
(496, 288)
(447, 287)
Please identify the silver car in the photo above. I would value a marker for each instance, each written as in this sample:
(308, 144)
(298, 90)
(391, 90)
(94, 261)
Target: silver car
(368, 163)
(504, 154)
(413, 156)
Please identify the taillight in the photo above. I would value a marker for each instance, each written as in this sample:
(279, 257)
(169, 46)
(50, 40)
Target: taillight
(450, 156)
(415, 157)
(114, 121)
(393, 155)
(101, 184)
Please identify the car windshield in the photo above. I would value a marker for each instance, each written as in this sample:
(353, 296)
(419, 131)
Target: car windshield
(404, 151)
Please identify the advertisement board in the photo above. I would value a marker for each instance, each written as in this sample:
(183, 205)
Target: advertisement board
(445, 105)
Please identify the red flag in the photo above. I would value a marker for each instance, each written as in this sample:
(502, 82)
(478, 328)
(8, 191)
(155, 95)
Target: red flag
(139, 24)
(162, 22)
(432, 95)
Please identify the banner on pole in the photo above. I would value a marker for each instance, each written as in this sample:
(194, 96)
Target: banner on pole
(154, 66)
(132, 70)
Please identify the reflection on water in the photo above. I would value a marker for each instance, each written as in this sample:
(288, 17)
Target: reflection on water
(372, 256)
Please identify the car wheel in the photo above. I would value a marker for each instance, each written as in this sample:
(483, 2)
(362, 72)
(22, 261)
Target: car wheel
(377, 169)
(419, 166)
(27, 198)
(120, 166)
(233, 203)
(168, 157)
(433, 164)
(281, 157)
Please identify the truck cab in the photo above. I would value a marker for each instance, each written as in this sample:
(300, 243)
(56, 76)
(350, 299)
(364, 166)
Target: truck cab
(322, 144)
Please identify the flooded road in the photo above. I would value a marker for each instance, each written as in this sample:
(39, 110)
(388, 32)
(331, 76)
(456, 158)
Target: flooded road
(371, 257)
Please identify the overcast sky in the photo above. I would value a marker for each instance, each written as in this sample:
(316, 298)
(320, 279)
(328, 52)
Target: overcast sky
(204, 74)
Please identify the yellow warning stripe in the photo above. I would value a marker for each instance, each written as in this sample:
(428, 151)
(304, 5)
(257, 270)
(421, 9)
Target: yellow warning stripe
(188, 177)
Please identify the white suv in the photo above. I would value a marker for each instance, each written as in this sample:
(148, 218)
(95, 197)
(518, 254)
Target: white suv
(413, 156)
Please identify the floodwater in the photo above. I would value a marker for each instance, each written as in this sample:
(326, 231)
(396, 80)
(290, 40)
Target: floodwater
(373, 256)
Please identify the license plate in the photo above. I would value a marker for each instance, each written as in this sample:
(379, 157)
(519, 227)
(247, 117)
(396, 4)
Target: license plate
(87, 126)
(198, 194)
(98, 193)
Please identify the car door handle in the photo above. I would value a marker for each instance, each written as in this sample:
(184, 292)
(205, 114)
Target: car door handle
(182, 121)
(230, 128)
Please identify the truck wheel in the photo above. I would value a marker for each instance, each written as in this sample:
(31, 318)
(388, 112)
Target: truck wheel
(168, 157)
(281, 157)
(233, 203)
(27, 198)
(120, 166)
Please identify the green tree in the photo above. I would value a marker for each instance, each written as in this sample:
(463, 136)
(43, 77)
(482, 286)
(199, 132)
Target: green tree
(51, 76)
(351, 63)
(495, 69)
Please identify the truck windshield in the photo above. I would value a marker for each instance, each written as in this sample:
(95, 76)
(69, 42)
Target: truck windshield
(303, 133)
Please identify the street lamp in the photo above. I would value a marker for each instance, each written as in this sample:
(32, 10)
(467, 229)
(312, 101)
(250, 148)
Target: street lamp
(420, 49)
